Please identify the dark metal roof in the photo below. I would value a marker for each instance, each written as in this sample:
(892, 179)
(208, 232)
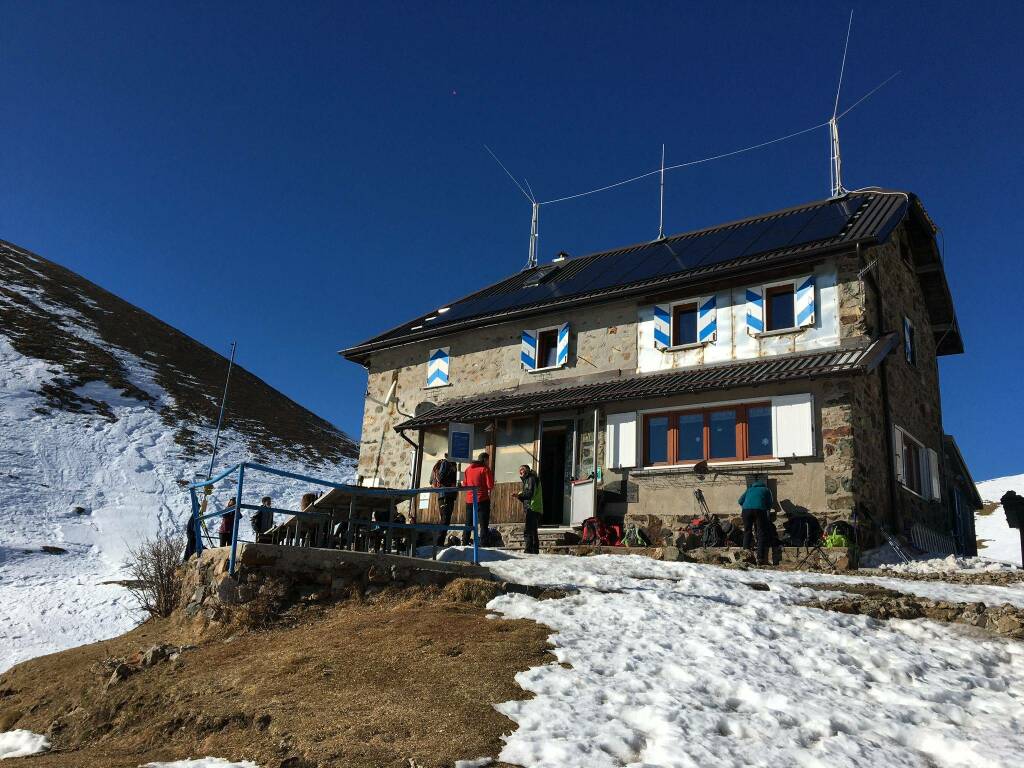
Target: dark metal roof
(706, 378)
(793, 234)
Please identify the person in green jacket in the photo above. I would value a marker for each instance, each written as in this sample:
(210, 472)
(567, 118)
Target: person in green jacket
(756, 502)
(533, 507)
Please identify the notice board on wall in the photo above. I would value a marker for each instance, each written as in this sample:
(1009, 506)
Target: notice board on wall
(460, 442)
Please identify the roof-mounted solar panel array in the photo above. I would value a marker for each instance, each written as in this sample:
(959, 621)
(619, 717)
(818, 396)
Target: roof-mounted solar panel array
(804, 228)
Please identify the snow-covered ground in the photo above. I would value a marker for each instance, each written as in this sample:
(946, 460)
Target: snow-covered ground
(676, 664)
(124, 474)
(22, 743)
(1001, 542)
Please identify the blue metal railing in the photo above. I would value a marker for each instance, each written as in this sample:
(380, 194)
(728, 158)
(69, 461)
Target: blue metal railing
(356, 490)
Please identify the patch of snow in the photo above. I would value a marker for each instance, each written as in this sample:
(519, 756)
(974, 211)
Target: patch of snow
(678, 664)
(203, 762)
(997, 540)
(480, 762)
(949, 565)
(21, 743)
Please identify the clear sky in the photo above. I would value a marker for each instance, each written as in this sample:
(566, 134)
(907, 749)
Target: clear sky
(301, 176)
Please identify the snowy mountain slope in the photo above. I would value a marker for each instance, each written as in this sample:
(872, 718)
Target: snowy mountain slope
(1000, 541)
(87, 424)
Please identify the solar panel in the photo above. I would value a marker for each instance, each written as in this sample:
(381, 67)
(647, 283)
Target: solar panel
(829, 222)
(780, 232)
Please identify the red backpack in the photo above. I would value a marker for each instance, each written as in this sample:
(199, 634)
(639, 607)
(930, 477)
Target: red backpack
(595, 532)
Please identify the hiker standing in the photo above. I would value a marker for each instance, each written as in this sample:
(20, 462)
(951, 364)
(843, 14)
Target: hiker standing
(755, 502)
(227, 523)
(479, 476)
(190, 538)
(262, 520)
(445, 475)
(533, 507)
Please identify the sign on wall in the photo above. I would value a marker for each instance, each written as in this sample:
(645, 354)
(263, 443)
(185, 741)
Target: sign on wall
(460, 442)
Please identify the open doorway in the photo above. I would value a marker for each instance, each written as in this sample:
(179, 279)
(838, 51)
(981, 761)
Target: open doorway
(555, 470)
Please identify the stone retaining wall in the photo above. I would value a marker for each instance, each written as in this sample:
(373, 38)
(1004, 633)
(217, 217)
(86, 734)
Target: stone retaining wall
(209, 590)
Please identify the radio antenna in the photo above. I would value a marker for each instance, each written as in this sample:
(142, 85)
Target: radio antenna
(836, 164)
(661, 201)
(531, 261)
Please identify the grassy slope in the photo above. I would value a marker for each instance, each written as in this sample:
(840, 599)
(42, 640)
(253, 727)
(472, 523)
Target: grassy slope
(354, 684)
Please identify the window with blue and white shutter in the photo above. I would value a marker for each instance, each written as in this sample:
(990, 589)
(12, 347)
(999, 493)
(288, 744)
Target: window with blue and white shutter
(543, 349)
(437, 367)
(805, 301)
(663, 326)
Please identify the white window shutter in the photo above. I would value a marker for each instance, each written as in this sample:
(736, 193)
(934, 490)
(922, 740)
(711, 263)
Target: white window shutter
(528, 350)
(437, 367)
(707, 319)
(620, 442)
(755, 310)
(933, 472)
(793, 425)
(662, 326)
(562, 356)
(897, 451)
(805, 301)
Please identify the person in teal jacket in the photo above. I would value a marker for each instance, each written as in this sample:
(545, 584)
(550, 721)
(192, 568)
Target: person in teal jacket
(755, 503)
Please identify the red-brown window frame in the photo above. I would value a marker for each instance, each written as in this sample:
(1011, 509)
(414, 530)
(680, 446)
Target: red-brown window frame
(547, 340)
(742, 434)
(774, 290)
(676, 310)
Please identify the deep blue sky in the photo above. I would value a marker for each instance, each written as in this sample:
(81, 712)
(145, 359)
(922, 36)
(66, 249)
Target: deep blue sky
(300, 176)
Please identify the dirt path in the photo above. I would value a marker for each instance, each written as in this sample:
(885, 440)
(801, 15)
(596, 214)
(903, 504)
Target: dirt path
(355, 684)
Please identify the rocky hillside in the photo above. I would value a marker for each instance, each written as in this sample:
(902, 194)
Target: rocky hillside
(105, 413)
(53, 315)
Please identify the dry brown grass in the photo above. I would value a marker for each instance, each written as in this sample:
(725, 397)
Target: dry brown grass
(361, 683)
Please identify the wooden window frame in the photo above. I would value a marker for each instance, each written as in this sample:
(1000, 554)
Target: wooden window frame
(774, 290)
(913, 449)
(542, 349)
(681, 306)
(742, 434)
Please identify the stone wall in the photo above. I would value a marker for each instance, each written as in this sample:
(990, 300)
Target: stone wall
(211, 592)
(914, 399)
(482, 360)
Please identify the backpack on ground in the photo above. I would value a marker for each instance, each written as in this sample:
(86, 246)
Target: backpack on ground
(635, 537)
(711, 534)
(802, 531)
(595, 532)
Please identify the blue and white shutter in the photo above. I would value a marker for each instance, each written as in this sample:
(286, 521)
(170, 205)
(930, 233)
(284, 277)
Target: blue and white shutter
(562, 355)
(437, 367)
(755, 310)
(662, 326)
(805, 301)
(707, 319)
(528, 350)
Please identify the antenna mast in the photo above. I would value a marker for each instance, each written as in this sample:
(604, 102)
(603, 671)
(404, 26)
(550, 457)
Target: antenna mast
(836, 160)
(661, 202)
(534, 223)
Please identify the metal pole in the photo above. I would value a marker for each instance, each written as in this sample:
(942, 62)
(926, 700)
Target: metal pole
(534, 224)
(661, 203)
(476, 531)
(238, 518)
(196, 523)
(223, 402)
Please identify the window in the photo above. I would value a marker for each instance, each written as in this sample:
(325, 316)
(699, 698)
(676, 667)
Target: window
(684, 324)
(779, 308)
(716, 434)
(513, 447)
(909, 348)
(547, 348)
(912, 475)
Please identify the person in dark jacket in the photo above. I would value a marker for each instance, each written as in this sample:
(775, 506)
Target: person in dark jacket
(755, 502)
(533, 507)
(445, 475)
(262, 519)
(227, 523)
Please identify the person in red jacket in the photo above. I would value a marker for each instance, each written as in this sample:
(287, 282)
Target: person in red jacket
(227, 523)
(478, 475)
